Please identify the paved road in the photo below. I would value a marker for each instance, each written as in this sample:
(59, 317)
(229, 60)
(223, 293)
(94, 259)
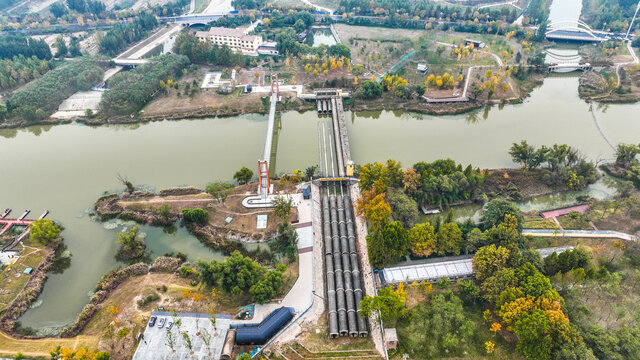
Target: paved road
(580, 234)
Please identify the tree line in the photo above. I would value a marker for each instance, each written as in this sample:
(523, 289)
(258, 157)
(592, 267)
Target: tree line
(42, 96)
(20, 70)
(121, 35)
(170, 8)
(562, 164)
(14, 45)
(205, 52)
(131, 90)
(426, 10)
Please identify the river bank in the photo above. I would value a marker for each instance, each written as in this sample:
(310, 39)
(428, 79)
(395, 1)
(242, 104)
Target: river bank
(197, 108)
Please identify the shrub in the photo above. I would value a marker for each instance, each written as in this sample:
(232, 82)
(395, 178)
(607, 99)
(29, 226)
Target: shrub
(198, 216)
(148, 300)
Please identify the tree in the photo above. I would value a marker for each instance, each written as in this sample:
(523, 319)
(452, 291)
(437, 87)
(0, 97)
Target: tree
(388, 303)
(61, 46)
(439, 328)
(532, 330)
(282, 207)
(77, 5)
(101, 355)
(287, 41)
(128, 184)
(422, 239)
(132, 245)
(490, 259)
(626, 155)
(339, 50)
(404, 208)
(187, 340)
(265, 289)
(236, 275)
(170, 339)
(243, 175)
(495, 210)
(449, 239)
(387, 244)
(197, 215)
(369, 90)
(58, 9)
(377, 211)
(299, 26)
(220, 190)
(410, 181)
(495, 327)
(43, 231)
(164, 210)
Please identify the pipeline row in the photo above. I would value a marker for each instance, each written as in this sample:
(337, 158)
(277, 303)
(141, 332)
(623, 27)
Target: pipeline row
(344, 286)
(324, 106)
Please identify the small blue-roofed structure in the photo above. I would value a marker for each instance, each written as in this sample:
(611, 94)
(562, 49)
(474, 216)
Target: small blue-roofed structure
(28, 271)
(259, 334)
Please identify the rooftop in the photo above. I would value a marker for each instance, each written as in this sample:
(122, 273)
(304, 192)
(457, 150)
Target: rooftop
(390, 334)
(222, 31)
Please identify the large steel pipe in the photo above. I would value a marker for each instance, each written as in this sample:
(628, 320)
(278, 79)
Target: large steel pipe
(334, 332)
(337, 264)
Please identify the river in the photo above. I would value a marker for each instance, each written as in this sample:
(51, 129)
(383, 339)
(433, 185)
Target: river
(64, 168)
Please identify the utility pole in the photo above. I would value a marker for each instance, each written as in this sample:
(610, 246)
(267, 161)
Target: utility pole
(632, 20)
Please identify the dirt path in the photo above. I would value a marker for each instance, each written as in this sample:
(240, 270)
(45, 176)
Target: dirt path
(41, 347)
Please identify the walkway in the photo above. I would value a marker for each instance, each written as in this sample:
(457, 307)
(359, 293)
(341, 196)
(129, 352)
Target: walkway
(508, 3)
(595, 120)
(21, 221)
(300, 297)
(580, 234)
(318, 7)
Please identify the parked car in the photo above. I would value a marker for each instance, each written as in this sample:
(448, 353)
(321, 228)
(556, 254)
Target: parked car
(160, 323)
(169, 325)
(152, 321)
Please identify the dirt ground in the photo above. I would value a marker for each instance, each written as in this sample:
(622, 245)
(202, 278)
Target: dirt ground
(205, 100)
(244, 220)
(179, 296)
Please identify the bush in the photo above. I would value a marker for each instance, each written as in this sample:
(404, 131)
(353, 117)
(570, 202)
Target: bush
(369, 90)
(198, 216)
(148, 300)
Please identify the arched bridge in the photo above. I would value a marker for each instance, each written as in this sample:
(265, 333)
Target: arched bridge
(577, 30)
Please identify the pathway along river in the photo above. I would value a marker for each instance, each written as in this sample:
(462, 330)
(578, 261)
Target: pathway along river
(65, 168)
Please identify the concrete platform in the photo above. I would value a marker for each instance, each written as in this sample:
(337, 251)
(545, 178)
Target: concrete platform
(153, 344)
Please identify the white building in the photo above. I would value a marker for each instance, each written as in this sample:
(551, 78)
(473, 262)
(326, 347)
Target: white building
(233, 38)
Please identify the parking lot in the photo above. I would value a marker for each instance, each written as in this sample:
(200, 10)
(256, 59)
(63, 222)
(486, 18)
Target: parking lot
(155, 341)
